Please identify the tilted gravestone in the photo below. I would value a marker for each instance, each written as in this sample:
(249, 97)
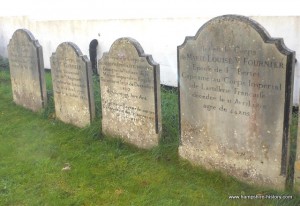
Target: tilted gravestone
(27, 70)
(72, 85)
(235, 100)
(130, 94)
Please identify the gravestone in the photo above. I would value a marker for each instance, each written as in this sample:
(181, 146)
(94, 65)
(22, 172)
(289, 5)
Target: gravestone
(235, 100)
(93, 55)
(72, 85)
(297, 160)
(26, 65)
(130, 94)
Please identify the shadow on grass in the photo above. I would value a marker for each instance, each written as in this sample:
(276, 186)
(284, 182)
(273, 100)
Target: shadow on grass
(105, 170)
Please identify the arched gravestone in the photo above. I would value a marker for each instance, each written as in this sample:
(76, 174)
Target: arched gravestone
(72, 85)
(235, 100)
(27, 70)
(93, 55)
(130, 94)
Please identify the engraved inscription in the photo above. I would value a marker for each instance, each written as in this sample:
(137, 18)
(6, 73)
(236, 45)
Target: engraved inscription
(68, 79)
(127, 78)
(23, 57)
(235, 100)
(130, 108)
(27, 70)
(229, 76)
(72, 85)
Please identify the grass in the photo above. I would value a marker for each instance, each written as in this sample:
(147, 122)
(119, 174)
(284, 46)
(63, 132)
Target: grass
(34, 149)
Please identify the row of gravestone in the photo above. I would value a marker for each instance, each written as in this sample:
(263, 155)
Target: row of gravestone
(235, 89)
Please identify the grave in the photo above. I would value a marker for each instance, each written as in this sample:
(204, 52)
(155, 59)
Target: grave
(93, 55)
(27, 70)
(130, 94)
(235, 100)
(72, 85)
(297, 160)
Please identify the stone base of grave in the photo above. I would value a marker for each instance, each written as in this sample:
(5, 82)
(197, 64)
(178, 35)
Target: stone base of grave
(249, 171)
(134, 137)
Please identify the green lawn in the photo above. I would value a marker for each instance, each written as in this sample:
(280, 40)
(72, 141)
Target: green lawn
(34, 149)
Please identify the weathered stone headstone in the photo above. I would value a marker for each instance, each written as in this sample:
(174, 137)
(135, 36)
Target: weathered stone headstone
(27, 70)
(72, 85)
(93, 55)
(130, 94)
(235, 100)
